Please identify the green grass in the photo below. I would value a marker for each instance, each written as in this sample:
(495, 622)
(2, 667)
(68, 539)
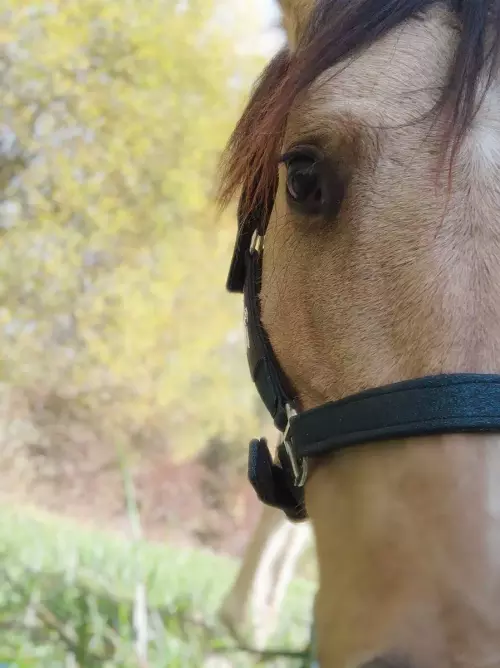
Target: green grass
(66, 599)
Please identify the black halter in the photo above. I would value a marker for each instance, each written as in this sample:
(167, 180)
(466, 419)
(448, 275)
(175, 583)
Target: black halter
(451, 403)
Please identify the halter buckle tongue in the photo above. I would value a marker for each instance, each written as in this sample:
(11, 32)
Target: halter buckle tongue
(298, 464)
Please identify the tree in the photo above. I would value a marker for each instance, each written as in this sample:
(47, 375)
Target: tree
(113, 260)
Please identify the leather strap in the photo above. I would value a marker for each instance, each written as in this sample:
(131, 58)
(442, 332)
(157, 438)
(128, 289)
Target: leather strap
(272, 482)
(450, 403)
(266, 373)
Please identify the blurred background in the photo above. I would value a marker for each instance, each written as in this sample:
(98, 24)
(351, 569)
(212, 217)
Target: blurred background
(125, 400)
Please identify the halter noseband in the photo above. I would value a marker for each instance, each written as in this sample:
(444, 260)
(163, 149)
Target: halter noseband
(450, 403)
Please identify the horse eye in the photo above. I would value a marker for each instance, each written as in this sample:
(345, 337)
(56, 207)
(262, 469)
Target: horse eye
(303, 181)
(311, 188)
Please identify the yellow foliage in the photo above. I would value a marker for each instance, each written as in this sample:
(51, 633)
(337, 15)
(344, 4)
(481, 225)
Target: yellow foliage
(113, 262)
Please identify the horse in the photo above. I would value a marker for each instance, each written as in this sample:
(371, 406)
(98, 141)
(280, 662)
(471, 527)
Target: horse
(368, 162)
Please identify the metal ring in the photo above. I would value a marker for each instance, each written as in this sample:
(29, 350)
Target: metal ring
(256, 243)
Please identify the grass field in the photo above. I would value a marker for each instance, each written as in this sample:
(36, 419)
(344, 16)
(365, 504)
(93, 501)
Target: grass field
(67, 599)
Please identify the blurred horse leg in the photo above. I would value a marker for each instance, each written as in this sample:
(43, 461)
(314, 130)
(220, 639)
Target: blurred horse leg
(275, 573)
(235, 606)
(266, 571)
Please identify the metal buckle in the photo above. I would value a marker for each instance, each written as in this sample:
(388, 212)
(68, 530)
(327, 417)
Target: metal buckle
(256, 243)
(299, 466)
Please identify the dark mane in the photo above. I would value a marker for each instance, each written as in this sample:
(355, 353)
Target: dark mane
(337, 29)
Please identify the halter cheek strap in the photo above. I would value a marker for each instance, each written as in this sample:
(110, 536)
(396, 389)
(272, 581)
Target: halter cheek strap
(450, 403)
(264, 368)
